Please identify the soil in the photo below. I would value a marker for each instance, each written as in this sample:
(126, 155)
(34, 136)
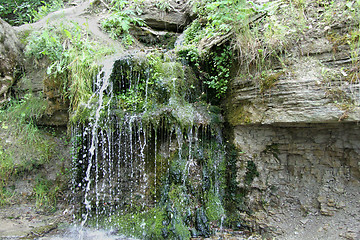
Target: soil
(22, 221)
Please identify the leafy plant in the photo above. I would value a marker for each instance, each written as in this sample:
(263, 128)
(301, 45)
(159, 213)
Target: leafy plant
(118, 24)
(45, 9)
(73, 59)
(119, 5)
(18, 12)
(44, 44)
(213, 67)
(216, 18)
(220, 63)
(163, 5)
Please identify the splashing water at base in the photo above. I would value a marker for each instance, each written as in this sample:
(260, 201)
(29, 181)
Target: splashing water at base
(77, 232)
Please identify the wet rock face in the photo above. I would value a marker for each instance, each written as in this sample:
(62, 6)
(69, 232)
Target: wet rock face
(10, 58)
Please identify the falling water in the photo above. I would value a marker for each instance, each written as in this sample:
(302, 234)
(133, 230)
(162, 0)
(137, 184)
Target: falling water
(131, 158)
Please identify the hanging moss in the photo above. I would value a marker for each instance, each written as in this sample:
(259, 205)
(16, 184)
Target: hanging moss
(214, 208)
(173, 144)
(239, 115)
(251, 172)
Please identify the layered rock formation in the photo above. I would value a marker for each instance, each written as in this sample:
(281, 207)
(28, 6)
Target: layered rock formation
(298, 124)
(167, 15)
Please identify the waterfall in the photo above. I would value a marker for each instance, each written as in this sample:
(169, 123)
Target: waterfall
(146, 159)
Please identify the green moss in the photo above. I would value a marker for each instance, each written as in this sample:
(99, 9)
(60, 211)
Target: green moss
(45, 194)
(155, 223)
(273, 149)
(147, 224)
(238, 115)
(268, 80)
(251, 172)
(7, 168)
(177, 170)
(214, 208)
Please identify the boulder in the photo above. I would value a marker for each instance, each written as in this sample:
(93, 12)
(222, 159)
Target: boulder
(11, 58)
(171, 15)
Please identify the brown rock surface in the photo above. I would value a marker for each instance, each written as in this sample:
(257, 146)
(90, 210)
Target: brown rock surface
(11, 58)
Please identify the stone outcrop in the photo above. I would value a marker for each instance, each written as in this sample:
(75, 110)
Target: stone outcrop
(166, 15)
(307, 92)
(164, 22)
(298, 124)
(11, 59)
(307, 171)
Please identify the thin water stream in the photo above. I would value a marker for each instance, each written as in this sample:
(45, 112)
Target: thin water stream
(146, 156)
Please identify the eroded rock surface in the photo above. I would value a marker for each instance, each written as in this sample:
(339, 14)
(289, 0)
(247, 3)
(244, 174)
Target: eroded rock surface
(312, 170)
(10, 58)
(301, 94)
(167, 15)
(297, 124)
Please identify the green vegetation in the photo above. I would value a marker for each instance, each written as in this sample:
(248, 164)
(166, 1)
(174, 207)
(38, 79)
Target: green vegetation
(234, 196)
(45, 9)
(122, 18)
(6, 171)
(29, 148)
(163, 5)
(73, 59)
(118, 25)
(46, 194)
(216, 18)
(251, 172)
(214, 207)
(18, 12)
(28, 109)
(156, 223)
(268, 80)
(222, 36)
(219, 64)
(239, 115)
(20, 117)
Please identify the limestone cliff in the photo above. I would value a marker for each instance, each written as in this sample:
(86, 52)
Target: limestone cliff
(296, 120)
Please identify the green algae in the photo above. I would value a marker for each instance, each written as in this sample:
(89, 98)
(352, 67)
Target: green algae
(239, 115)
(183, 195)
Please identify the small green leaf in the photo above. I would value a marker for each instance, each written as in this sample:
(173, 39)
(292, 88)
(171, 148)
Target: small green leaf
(67, 33)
